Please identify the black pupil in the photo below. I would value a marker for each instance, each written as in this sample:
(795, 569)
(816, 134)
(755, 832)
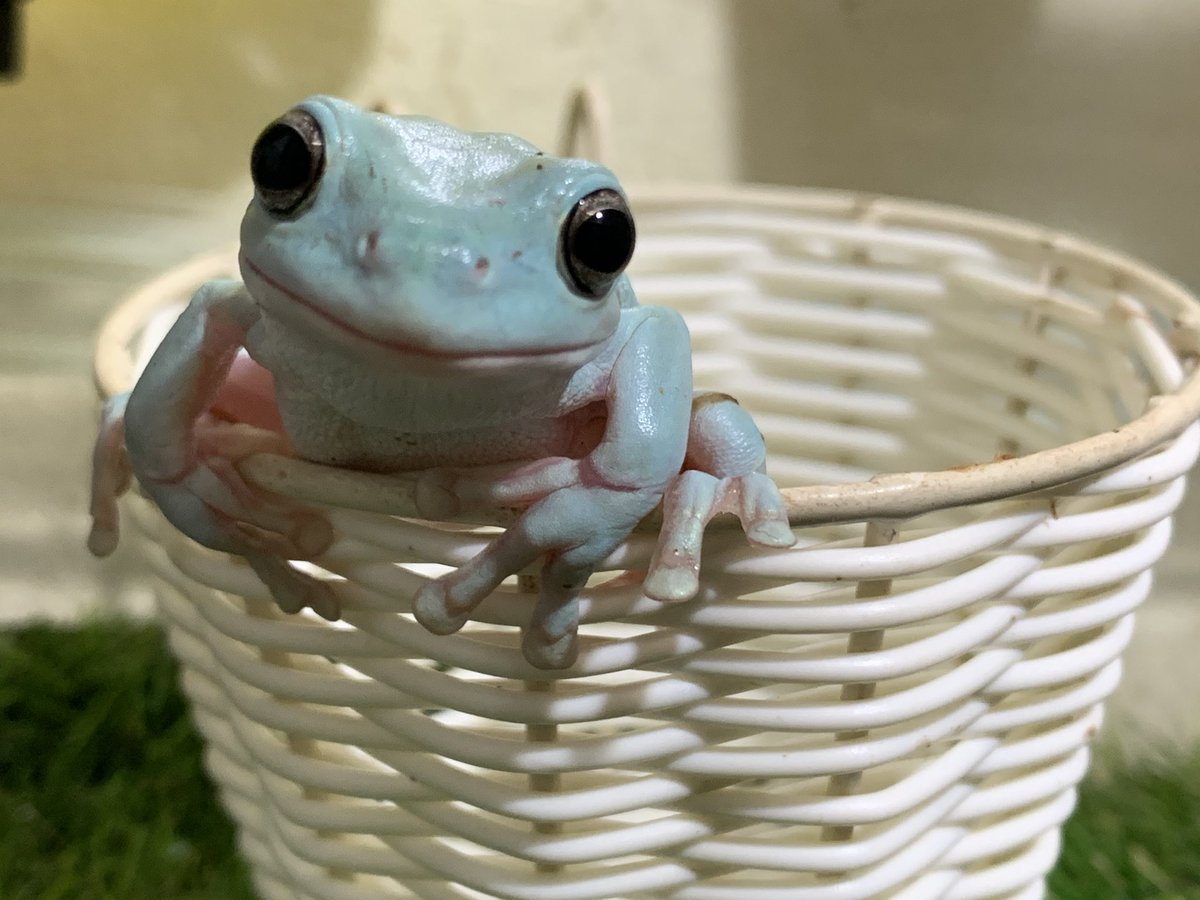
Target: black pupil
(281, 160)
(604, 240)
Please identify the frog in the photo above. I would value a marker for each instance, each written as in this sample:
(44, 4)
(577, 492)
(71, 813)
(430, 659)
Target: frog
(416, 298)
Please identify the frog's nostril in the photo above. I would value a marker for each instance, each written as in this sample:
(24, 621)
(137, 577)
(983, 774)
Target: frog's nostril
(367, 249)
(482, 264)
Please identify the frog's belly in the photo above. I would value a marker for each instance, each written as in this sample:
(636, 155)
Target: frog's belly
(334, 440)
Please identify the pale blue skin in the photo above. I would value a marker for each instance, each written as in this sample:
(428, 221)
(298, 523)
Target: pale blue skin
(414, 316)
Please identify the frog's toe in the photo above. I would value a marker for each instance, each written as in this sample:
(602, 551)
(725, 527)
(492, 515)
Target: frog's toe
(110, 478)
(434, 607)
(105, 534)
(771, 533)
(445, 605)
(551, 639)
(689, 504)
(763, 511)
(435, 496)
(550, 653)
(672, 583)
(311, 533)
(293, 590)
(324, 602)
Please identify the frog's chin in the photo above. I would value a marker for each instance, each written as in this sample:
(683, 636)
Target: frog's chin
(299, 311)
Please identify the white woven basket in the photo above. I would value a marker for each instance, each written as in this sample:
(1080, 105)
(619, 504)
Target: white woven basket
(984, 428)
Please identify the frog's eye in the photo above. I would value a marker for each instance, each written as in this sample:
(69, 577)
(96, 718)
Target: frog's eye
(596, 242)
(287, 161)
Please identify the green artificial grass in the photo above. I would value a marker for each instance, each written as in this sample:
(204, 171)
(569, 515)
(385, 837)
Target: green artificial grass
(102, 794)
(1135, 833)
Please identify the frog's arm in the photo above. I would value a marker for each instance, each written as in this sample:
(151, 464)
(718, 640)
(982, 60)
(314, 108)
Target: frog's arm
(151, 429)
(582, 509)
(182, 378)
(644, 441)
(186, 463)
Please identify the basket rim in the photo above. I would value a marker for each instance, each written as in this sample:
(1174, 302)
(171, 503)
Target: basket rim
(891, 496)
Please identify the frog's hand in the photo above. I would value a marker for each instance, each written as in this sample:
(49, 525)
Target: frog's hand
(724, 473)
(586, 506)
(186, 461)
(573, 529)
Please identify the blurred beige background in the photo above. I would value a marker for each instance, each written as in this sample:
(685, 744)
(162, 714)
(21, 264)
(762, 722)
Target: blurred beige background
(125, 140)
(145, 93)
(1081, 114)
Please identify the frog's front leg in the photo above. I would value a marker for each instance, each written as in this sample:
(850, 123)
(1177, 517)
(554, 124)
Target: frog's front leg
(582, 508)
(724, 472)
(186, 461)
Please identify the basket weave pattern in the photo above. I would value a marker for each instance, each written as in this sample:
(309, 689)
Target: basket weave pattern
(899, 706)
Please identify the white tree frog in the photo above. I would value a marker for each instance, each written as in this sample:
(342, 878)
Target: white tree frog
(429, 299)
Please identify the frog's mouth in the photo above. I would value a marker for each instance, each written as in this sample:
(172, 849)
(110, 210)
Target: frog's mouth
(409, 349)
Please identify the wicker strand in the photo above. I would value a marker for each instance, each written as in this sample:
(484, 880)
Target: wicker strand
(877, 534)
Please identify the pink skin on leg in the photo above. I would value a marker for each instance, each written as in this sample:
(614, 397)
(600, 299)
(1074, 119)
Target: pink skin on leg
(248, 395)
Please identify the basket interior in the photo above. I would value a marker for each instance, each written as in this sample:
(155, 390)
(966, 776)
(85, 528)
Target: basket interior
(869, 350)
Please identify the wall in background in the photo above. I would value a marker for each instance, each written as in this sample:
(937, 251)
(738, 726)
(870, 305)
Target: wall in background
(1084, 116)
(1081, 115)
(172, 94)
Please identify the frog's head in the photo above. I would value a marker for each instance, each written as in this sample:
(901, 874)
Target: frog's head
(447, 247)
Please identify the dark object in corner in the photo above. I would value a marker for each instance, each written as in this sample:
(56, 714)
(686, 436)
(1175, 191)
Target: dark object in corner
(10, 38)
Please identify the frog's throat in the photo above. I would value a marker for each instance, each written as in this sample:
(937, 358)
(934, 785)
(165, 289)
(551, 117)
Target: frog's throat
(514, 354)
